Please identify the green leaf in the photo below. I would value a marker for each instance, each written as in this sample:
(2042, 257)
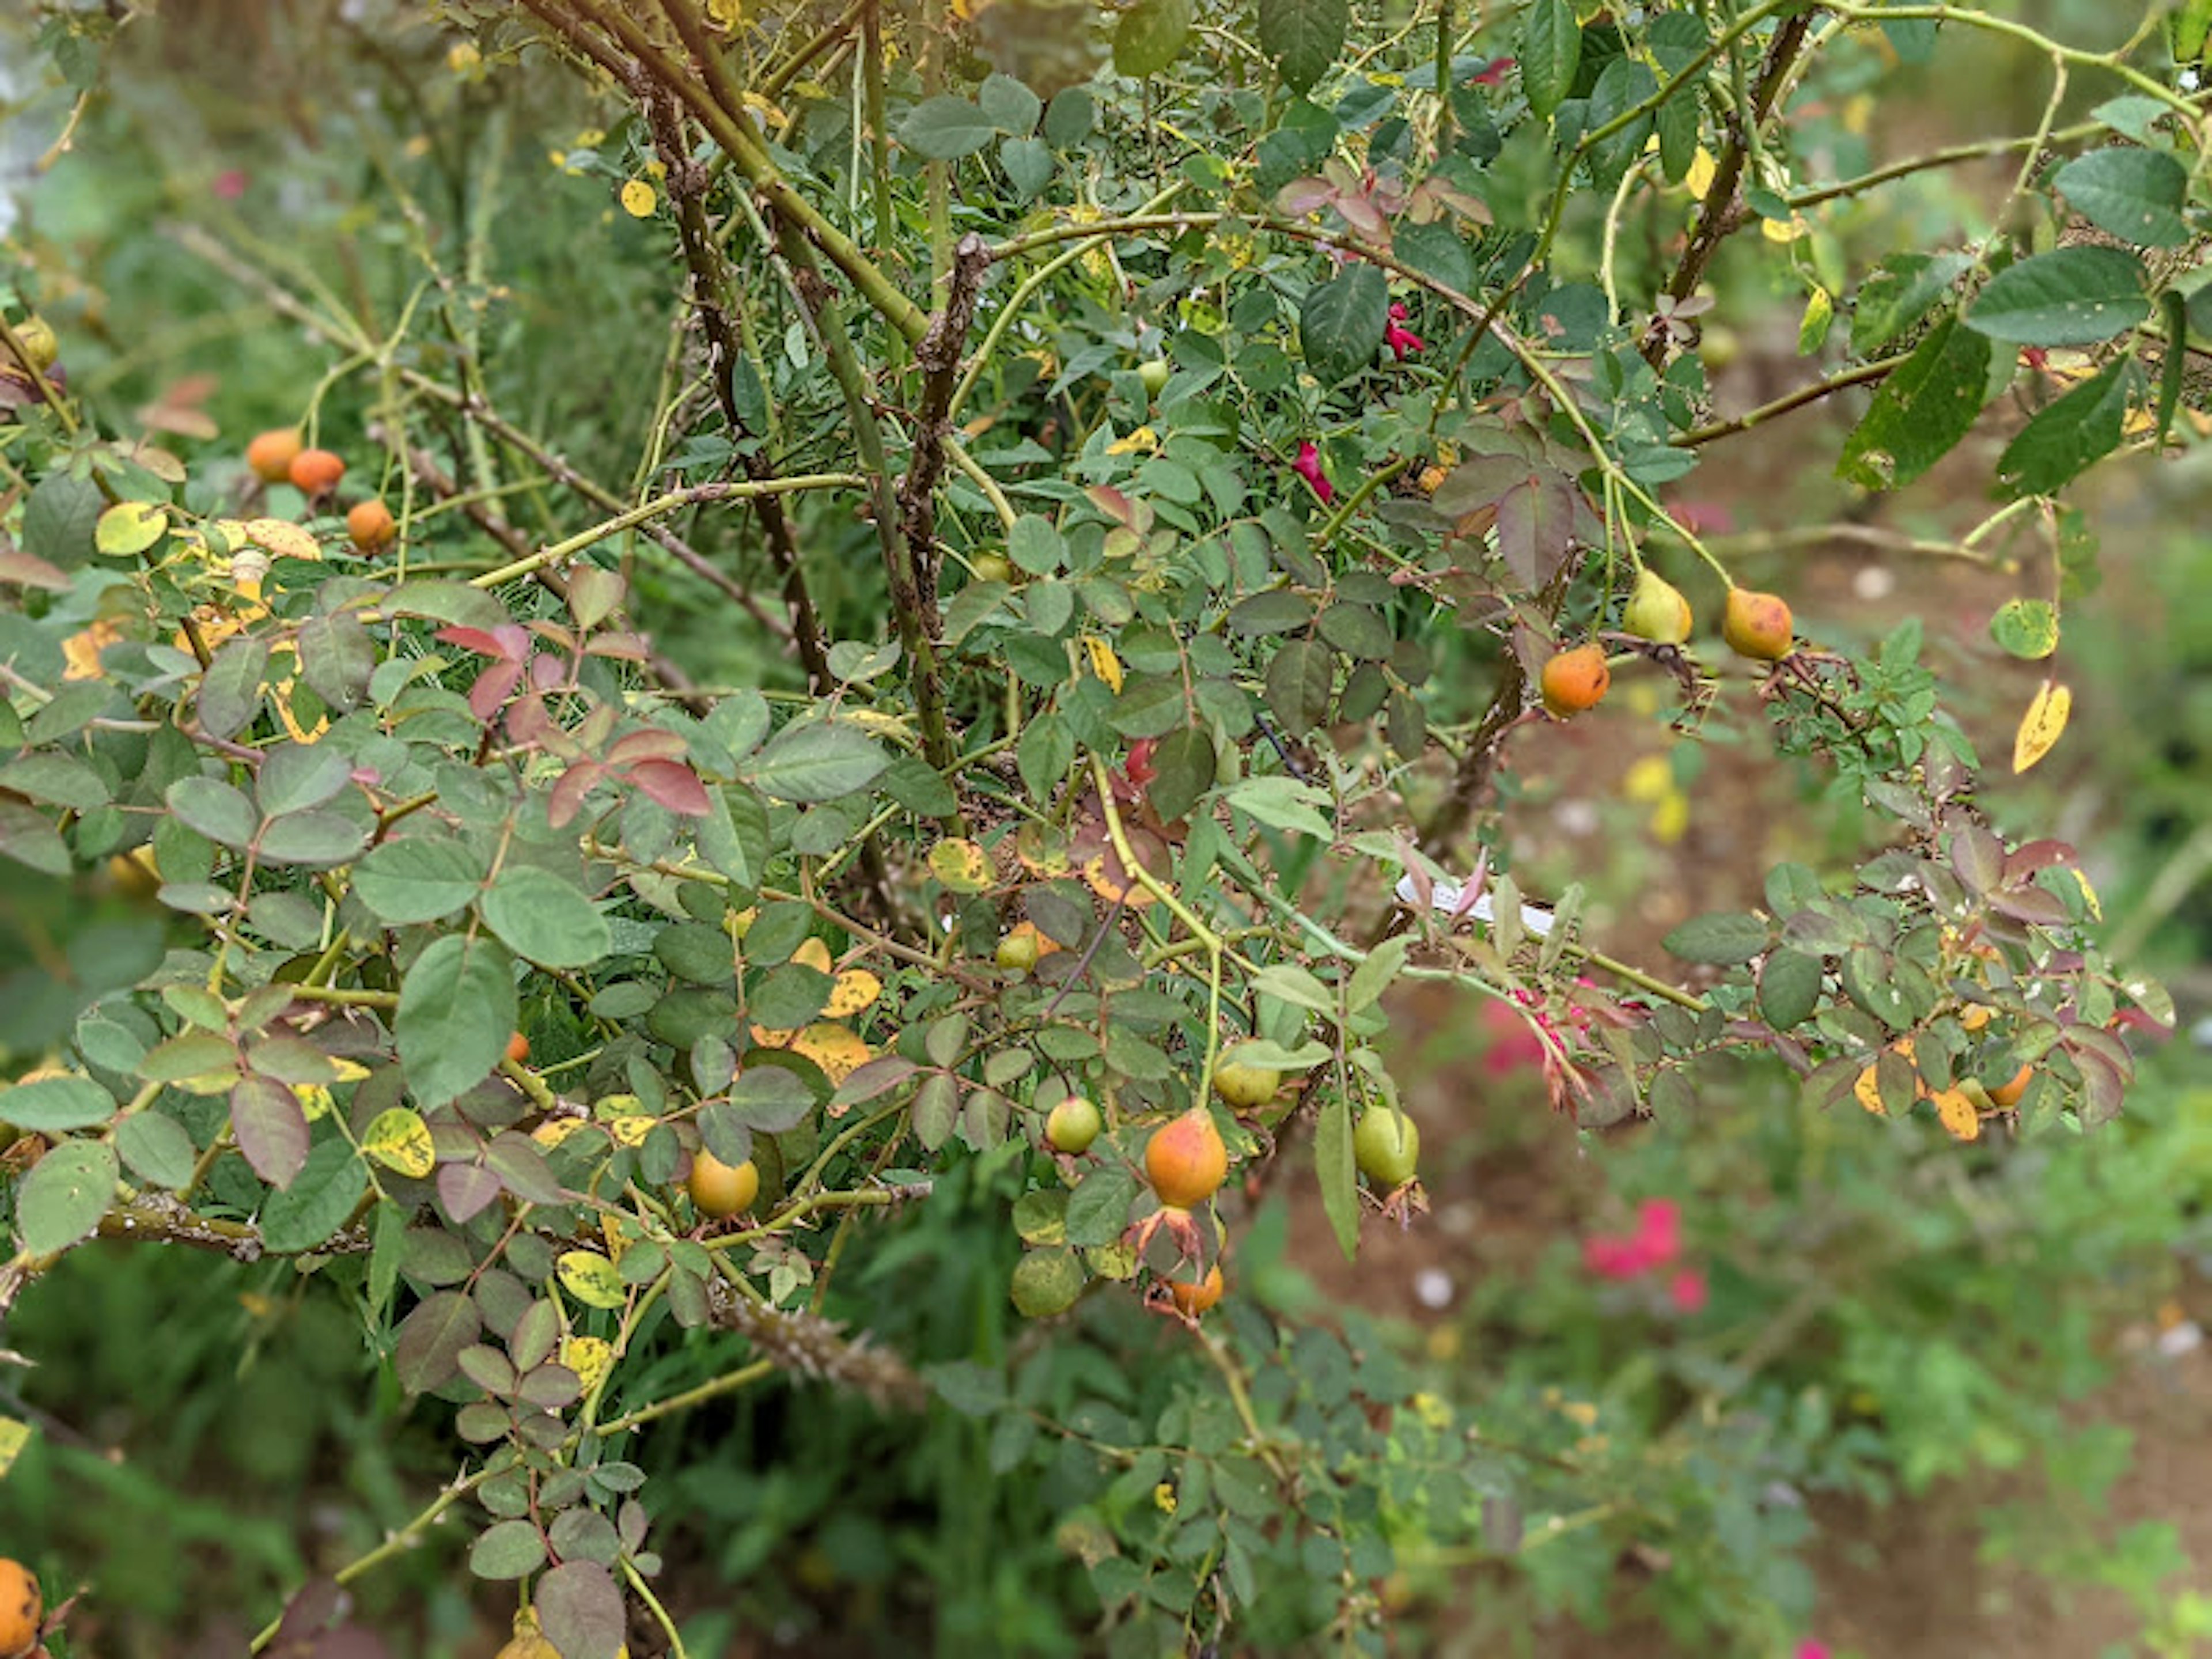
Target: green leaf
(315, 840)
(1029, 163)
(2028, 628)
(1357, 631)
(1927, 404)
(421, 878)
(1550, 51)
(2070, 296)
(1046, 750)
(1010, 103)
(56, 1104)
(770, 1099)
(1099, 1208)
(947, 128)
(1149, 38)
(60, 519)
(1334, 1163)
(1373, 976)
(1436, 250)
(508, 1549)
(2174, 370)
(64, 1195)
(456, 1010)
(214, 809)
(1282, 803)
(2069, 435)
(2135, 195)
(157, 1150)
(317, 1201)
(297, 776)
(1149, 706)
(1046, 1282)
(1186, 764)
(819, 761)
(1341, 321)
(1299, 680)
(1789, 988)
(1303, 37)
(1720, 939)
(230, 690)
(545, 919)
(1897, 296)
(336, 658)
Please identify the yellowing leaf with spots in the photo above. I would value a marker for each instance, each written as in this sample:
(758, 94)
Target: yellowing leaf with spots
(639, 199)
(856, 990)
(838, 1051)
(2043, 725)
(2089, 896)
(962, 866)
(1958, 1114)
(400, 1141)
(590, 1279)
(130, 527)
(589, 1356)
(554, 1131)
(619, 1234)
(1103, 663)
(283, 538)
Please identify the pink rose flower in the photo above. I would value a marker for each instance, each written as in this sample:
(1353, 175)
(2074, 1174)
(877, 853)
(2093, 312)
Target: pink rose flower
(229, 185)
(1686, 1291)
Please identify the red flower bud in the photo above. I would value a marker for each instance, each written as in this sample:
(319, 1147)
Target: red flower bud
(1400, 338)
(1308, 467)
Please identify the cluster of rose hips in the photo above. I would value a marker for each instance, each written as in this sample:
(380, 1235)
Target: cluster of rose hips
(280, 456)
(1187, 1162)
(1754, 624)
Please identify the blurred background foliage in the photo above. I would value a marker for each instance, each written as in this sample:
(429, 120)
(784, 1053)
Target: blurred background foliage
(1935, 1368)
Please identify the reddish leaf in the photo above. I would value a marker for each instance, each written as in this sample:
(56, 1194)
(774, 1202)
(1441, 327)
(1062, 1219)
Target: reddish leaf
(465, 1189)
(675, 787)
(651, 743)
(567, 797)
(507, 643)
(492, 688)
(429, 1353)
(580, 1609)
(270, 1128)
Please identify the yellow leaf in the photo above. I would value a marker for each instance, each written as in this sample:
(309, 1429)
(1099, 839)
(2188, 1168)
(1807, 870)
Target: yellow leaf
(283, 538)
(1958, 1114)
(81, 652)
(1784, 230)
(590, 1279)
(856, 990)
(1869, 1093)
(962, 866)
(13, 1436)
(130, 527)
(400, 1141)
(1103, 663)
(813, 953)
(589, 1356)
(1700, 175)
(836, 1050)
(1143, 441)
(2043, 725)
(639, 199)
(555, 1130)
